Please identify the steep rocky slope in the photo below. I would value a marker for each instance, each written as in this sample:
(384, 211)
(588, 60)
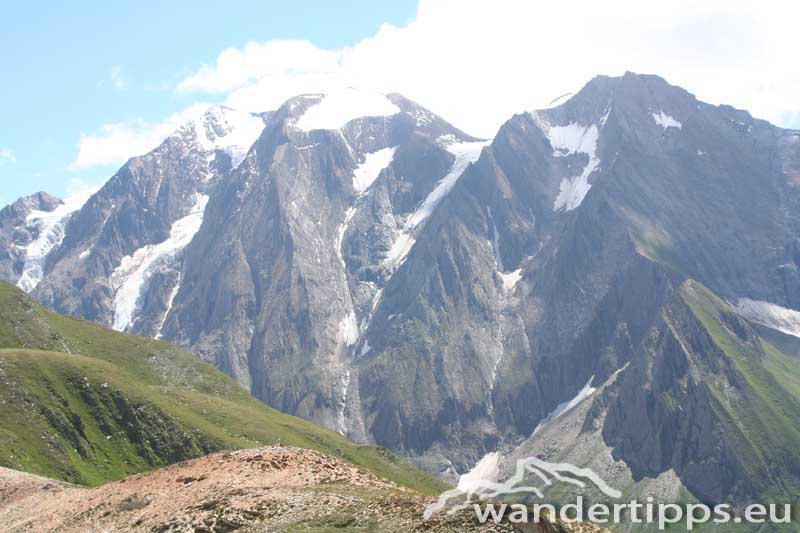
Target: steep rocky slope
(709, 413)
(553, 255)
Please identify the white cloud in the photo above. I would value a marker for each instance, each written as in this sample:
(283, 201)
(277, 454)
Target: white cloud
(236, 67)
(478, 62)
(7, 156)
(115, 143)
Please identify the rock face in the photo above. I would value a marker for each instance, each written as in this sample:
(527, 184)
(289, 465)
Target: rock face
(286, 277)
(373, 269)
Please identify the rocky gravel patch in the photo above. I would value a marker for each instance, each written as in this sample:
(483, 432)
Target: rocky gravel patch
(275, 489)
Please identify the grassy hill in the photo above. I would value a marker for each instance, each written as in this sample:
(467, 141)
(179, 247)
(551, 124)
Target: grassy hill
(85, 404)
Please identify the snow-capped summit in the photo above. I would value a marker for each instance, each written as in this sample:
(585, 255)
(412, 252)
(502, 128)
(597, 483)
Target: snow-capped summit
(223, 128)
(338, 107)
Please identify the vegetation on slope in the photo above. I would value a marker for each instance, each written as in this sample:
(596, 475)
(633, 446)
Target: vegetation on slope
(85, 404)
(757, 397)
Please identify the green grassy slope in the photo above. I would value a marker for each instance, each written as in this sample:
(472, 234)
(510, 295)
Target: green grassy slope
(758, 400)
(86, 404)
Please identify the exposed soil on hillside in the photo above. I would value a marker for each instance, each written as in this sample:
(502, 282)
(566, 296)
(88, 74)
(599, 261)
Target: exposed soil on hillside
(275, 489)
(267, 489)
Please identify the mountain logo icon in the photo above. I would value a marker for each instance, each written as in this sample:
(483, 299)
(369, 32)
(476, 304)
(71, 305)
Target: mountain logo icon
(547, 475)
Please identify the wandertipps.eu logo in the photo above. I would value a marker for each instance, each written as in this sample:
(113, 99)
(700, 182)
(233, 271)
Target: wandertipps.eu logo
(532, 477)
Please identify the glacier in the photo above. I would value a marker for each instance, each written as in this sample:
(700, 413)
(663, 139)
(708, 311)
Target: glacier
(131, 277)
(51, 226)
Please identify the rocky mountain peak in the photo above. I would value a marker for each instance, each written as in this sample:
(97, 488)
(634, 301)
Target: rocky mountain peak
(632, 100)
(222, 128)
(40, 201)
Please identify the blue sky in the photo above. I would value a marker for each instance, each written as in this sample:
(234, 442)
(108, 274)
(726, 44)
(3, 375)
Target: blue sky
(69, 67)
(85, 85)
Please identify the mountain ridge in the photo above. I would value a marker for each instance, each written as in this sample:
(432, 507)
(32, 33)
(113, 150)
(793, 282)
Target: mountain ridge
(407, 285)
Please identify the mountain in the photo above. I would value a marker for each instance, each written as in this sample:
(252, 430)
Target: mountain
(19, 239)
(85, 404)
(577, 242)
(145, 254)
(629, 256)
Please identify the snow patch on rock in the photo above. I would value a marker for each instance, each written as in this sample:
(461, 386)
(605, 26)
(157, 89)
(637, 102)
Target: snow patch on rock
(367, 172)
(770, 315)
(562, 408)
(400, 249)
(573, 139)
(666, 121)
(51, 226)
(363, 177)
(465, 153)
(341, 230)
(365, 349)
(446, 140)
(348, 329)
(170, 302)
(341, 418)
(487, 469)
(510, 279)
(569, 140)
(337, 108)
(134, 272)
